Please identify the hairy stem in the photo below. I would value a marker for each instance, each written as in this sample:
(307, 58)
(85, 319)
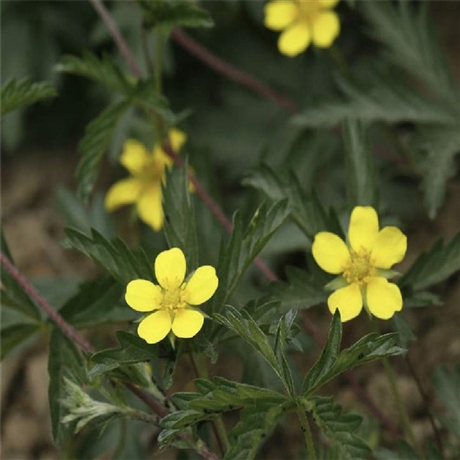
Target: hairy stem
(307, 433)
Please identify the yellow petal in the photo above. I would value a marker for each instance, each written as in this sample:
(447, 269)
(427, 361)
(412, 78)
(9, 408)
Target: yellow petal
(201, 285)
(142, 295)
(364, 228)
(348, 300)
(135, 157)
(123, 192)
(389, 247)
(161, 160)
(170, 268)
(330, 252)
(155, 327)
(326, 28)
(280, 14)
(294, 39)
(150, 207)
(383, 298)
(177, 139)
(328, 3)
(187, 323)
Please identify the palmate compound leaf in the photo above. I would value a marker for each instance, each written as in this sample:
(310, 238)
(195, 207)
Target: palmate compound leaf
(339, 428)
(244, 246)
(332, 362)
(121, 262)
(15, 94)
(305, 210)
(94, 144)
(433, 266)
(64, 361)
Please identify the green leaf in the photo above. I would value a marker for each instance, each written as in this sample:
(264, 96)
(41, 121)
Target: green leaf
(171, 14)
(121, 262)
(64, 361)
(447, 386)
(338, 427)
(94, 144)
(439, 146)
(332, 363)
(97, 302)
(402, 327)
(180, 223)
(101, 70)
(302, 290)
(13, 296)
(15, 94)
(411, 43)
(383, 96)
(361, 177)
(305, 210)
(11, 336)
(434, 266)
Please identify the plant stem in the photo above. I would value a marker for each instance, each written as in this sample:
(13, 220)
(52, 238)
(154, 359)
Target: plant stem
(158, 61)
(307, 433)
(146, 52)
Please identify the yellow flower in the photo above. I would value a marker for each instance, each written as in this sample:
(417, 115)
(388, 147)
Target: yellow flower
(364, 265)
(147, 174)
(173, 301)
(302, 22)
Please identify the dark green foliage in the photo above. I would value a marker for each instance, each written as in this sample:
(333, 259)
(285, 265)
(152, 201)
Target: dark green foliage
(16, 94)
(339, 428)
(12, 336)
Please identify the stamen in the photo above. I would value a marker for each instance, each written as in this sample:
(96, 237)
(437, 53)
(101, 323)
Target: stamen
(360, 267)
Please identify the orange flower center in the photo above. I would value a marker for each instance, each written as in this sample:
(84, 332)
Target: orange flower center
(360, 267)
(173, 299)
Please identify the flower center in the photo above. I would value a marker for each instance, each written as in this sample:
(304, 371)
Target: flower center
(173, 299)
(309, 11)
(359, 268)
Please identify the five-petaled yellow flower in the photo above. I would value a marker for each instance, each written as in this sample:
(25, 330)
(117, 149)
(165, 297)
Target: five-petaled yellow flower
(363, 265)
(174, 301)
(302, 22)
(147, 174)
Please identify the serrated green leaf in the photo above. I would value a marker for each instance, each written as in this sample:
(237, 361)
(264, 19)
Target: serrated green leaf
(360, 170)
(15, 94)
(439, 146)
(332, 363)
(121, 262)
(171, 14)
(11, 336)
(101, 70)
(338, 427)
(408, 34)
(402, 327)
(447, 386)
(383, 97)
(180, 223)
(97, 302)
(434, 266)
(306, 211)
(94, 144)
(64, 361)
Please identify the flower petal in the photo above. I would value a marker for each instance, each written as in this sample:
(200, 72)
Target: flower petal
(389, 247)
(150, 207)
(135, 157)
(177, 139)
(143, 295)
(328, 3)
(280, 14)
(170, 268)
(187, 323)
(348, 300)
(155, 327)
(294, 39)
(123, 192)
(363, 228)
(330, 252)
(326, 28)
(383, 298)
(201, 285)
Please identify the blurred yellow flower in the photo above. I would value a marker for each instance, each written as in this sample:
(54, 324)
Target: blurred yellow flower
(302, 22)
(363, 265)
(147, 174)
(172, 301)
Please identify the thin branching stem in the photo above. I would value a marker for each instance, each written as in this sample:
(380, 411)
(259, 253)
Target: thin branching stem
(307, 433)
